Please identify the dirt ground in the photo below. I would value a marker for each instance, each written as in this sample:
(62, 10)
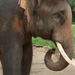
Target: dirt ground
(38, 66)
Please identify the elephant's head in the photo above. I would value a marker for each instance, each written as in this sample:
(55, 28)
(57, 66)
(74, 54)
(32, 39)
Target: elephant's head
(51, 19)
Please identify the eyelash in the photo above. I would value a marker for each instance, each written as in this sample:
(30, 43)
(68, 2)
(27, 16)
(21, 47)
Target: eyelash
(59, 17)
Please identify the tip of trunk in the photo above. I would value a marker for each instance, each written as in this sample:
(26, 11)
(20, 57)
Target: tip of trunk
(55, 66)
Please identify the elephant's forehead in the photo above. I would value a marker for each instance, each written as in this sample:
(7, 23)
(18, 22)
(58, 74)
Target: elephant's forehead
(54, 5)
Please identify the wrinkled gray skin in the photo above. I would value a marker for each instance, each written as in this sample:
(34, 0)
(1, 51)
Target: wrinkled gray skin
(51, 20)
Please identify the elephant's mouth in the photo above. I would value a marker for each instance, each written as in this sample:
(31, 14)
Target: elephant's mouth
(49, 62)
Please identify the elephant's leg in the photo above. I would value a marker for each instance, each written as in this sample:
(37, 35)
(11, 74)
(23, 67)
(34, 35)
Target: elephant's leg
(27, 59)
(11, 57)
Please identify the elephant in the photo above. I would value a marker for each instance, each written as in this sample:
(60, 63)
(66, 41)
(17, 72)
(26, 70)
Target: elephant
(20, 20)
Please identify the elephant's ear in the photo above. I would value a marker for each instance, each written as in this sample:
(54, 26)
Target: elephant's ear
(22, 3)
(38, 2)
(28, 5)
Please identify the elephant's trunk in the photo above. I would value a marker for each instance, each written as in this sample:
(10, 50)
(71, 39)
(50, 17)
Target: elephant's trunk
(61, 63)
(66, 40)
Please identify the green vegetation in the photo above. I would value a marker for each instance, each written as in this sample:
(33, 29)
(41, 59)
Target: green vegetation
(73, 29)
(43, 42)
(73, 22)
(72, 4)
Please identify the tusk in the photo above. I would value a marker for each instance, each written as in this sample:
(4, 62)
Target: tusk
(71, 62)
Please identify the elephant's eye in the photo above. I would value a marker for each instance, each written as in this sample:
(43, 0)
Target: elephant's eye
(59, 17)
